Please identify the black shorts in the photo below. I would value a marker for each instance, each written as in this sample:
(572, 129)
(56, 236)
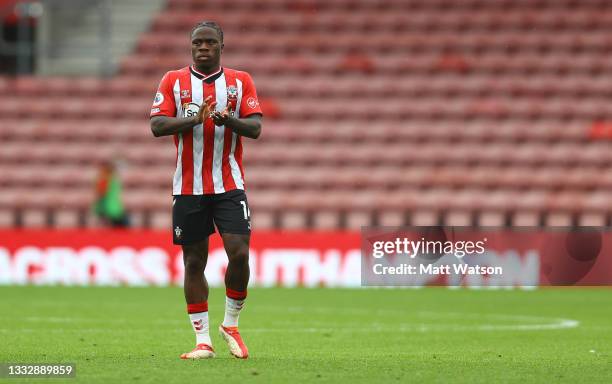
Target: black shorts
(194, 217)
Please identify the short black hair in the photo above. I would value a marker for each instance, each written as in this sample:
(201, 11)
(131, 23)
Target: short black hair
(209, 24)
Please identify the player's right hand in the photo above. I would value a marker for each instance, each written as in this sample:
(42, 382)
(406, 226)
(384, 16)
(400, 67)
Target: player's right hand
(205, 109)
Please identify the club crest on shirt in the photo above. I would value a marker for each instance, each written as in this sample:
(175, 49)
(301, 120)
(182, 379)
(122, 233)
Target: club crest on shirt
(232, 98)
(190, 109)
(185, 94)
(177, 232)
(232, 93)
(159, 98)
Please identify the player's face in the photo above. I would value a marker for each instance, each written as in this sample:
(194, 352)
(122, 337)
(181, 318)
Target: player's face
(206, 47)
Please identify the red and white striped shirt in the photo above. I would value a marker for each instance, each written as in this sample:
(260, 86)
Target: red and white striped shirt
(209, 158)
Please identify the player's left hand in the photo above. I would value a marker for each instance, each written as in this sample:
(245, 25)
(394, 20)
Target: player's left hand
(221, 118)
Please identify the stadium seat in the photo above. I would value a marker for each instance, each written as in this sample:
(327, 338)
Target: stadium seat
(526, 219)
(263, 220)
(326, 220)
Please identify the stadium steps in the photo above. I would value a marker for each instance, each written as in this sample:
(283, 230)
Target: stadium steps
(77, 48)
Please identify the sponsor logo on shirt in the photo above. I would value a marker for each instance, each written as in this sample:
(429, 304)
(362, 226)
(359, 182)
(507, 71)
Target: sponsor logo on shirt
(190, 109)
(154, 110)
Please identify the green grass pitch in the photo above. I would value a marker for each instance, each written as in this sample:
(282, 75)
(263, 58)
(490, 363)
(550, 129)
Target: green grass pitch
(434, 335)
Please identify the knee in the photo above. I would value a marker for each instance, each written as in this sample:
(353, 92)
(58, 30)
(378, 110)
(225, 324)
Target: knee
(239, 256)
(193, 264)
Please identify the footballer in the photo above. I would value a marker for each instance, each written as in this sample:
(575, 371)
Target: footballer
(208, 109)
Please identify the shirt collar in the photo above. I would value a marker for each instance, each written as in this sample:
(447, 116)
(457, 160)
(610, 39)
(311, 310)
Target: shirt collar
(206, 78)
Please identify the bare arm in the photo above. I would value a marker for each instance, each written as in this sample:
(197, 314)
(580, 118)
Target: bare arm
(249, 126)
(165, 126)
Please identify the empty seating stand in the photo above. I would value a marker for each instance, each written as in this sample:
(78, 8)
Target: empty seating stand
(390, 112)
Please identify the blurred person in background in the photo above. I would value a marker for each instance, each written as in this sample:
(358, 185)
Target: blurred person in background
(108, 205)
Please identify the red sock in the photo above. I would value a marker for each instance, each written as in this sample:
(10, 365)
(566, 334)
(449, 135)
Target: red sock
(197, 308)
(236, 295)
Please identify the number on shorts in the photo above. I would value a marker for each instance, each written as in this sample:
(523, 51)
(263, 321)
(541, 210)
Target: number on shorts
(245, 209)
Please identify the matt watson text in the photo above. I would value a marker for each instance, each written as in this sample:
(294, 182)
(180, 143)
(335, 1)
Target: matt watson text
(430, 269)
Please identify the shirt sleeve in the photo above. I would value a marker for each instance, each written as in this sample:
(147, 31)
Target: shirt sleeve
(249, 103)
(163, 104)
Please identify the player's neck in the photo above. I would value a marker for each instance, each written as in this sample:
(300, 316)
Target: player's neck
(207, 70)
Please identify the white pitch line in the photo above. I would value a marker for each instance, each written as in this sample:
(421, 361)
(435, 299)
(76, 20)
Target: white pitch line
(539, 323)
